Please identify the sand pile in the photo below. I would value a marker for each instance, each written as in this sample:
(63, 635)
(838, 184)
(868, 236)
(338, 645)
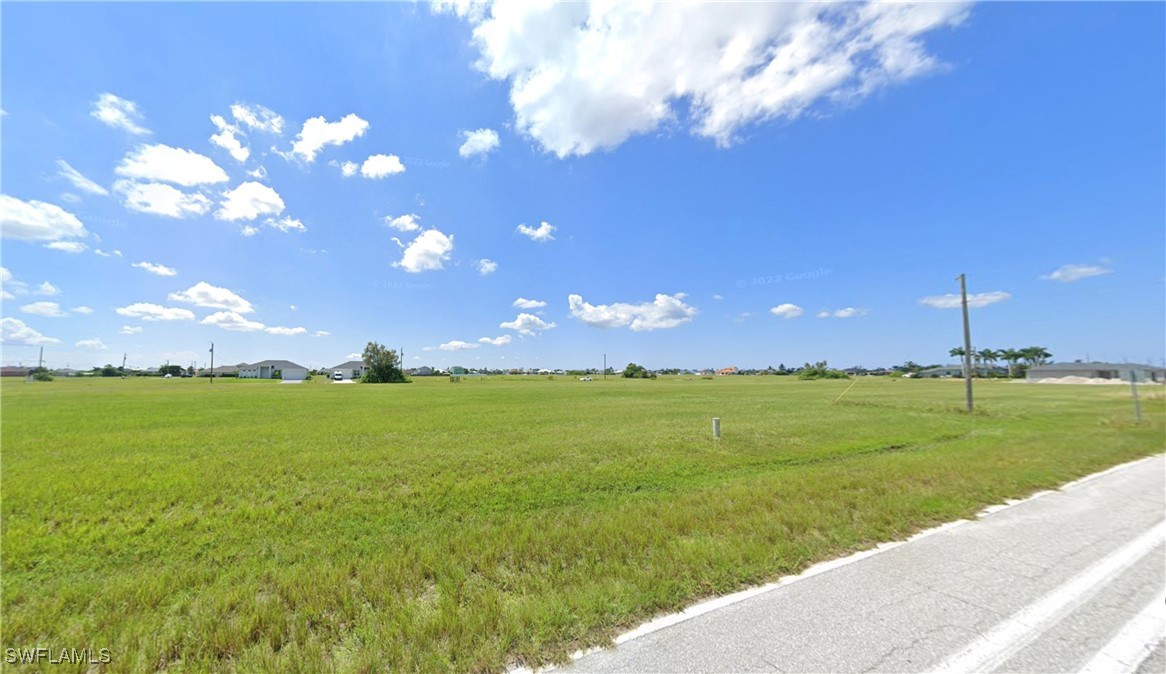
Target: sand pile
(1078, 380)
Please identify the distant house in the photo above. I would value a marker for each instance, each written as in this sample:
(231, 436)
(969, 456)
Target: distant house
(222, 370)
(943, 371)
(353, 369)
(423, 371)
(266, 369)
(727, 370)
(14, 371)
(1115, 371)
(65, 372)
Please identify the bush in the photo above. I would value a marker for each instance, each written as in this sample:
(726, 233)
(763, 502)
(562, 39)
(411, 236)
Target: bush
(41, 374)
(820, 370)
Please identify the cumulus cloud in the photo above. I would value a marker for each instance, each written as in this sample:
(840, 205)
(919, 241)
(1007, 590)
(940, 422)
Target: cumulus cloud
(848, 312)
(161, 199)
(787, 311)
(47, 288)
(94, 344)
(102, 253)
(457, 345)
(228, 138)
(248, 230)
(585, 76)
(203, 294)
(16, 333)
(429, 251)
(46, 309)
(67, 246)
(257, 118)
(480, 142)
(381, 165)
(540, 233)
(82, 310)
(37, 221)
(321, 333)
(156, 269)
(131, 330)
(154, 312)
(497, 341)
(259, 173)
(286, 224)
(975, 301)
(666, 311)
(347, 169)
(11, 285)
(153, 163)
(404, 223)
(230, 320)
(523, 303)
(119, 113)
(1075, 272)
(249, 201)
(527, 324)
(278, 330)
(79, 181)
(319, 132)
(486, 266)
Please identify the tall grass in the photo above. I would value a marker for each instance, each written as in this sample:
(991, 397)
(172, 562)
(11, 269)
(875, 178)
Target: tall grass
(468, 527)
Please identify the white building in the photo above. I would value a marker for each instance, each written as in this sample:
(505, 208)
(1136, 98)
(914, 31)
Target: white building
(353, 369)
(266, 369)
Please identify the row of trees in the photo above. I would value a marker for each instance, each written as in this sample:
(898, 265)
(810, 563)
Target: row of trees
(1031, 355)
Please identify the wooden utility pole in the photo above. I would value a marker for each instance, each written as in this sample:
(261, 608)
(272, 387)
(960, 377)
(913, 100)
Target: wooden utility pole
(212, 362)
(967, 341)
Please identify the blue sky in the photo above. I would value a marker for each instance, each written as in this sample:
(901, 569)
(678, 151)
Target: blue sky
(723, 185)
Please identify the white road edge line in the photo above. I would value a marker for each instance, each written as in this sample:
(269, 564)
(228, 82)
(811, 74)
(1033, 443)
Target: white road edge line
(993, 648)
(707, 606)
(1133, 643)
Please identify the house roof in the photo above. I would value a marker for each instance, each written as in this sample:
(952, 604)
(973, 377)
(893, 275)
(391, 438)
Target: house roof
(276, 364)
(349, 365)
(1055, 367)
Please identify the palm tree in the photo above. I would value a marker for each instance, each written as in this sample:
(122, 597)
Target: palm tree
(1035, 355)
(957, 352)
(989, 356)
(1012, 357)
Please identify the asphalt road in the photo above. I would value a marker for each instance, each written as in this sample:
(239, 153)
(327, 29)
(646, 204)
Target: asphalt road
(1072, 580)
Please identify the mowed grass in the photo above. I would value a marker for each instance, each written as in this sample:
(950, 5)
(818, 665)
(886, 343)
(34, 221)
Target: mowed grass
(468, 527)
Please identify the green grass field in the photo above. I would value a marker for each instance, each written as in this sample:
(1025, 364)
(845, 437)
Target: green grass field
(436, 527)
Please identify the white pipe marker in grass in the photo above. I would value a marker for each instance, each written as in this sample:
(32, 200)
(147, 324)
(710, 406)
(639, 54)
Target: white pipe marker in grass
(716, 428)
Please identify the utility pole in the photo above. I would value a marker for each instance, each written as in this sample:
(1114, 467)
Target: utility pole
(605, 366)
(212, 362)
(41, 362)
(967, 341)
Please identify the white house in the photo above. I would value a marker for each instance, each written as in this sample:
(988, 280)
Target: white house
(266, 369)
(353, 369)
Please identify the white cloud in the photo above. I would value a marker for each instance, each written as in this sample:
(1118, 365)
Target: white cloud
(102, 253)
(541, 233)
(4, 294)
(381, 165)
(848, 312)
(429, 251)
(161, 199)
(119, 113)
(286, 224)
(486, 266)
(975, 301)
(666, 311)
(156, 269)
(152, 163)
(718, 297)
(47, 288)
(154, 312)
(11, 285)
(71, 198)
(259, 173)
(457, 345)
(527, 324)
(95, 344)
(257, 118)
(275, 330)
(248, 201)
(787, 311)
(131, 330)
(46, 309)
(16, 333)
(347, 169)
(318, 132)
(227, 139)
(203, 294)
(248, 230)
(404, 223)
(480, 142)
(82, 310)
(523, 303)
(37, 221)
(67, 246)
(79, 181)
(355, 356)
(497, 341)
(1075, 272)
(230, 320)
(585, 76)
(321, 333)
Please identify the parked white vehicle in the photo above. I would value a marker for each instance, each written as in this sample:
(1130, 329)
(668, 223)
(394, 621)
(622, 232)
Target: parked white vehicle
(337, 375)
